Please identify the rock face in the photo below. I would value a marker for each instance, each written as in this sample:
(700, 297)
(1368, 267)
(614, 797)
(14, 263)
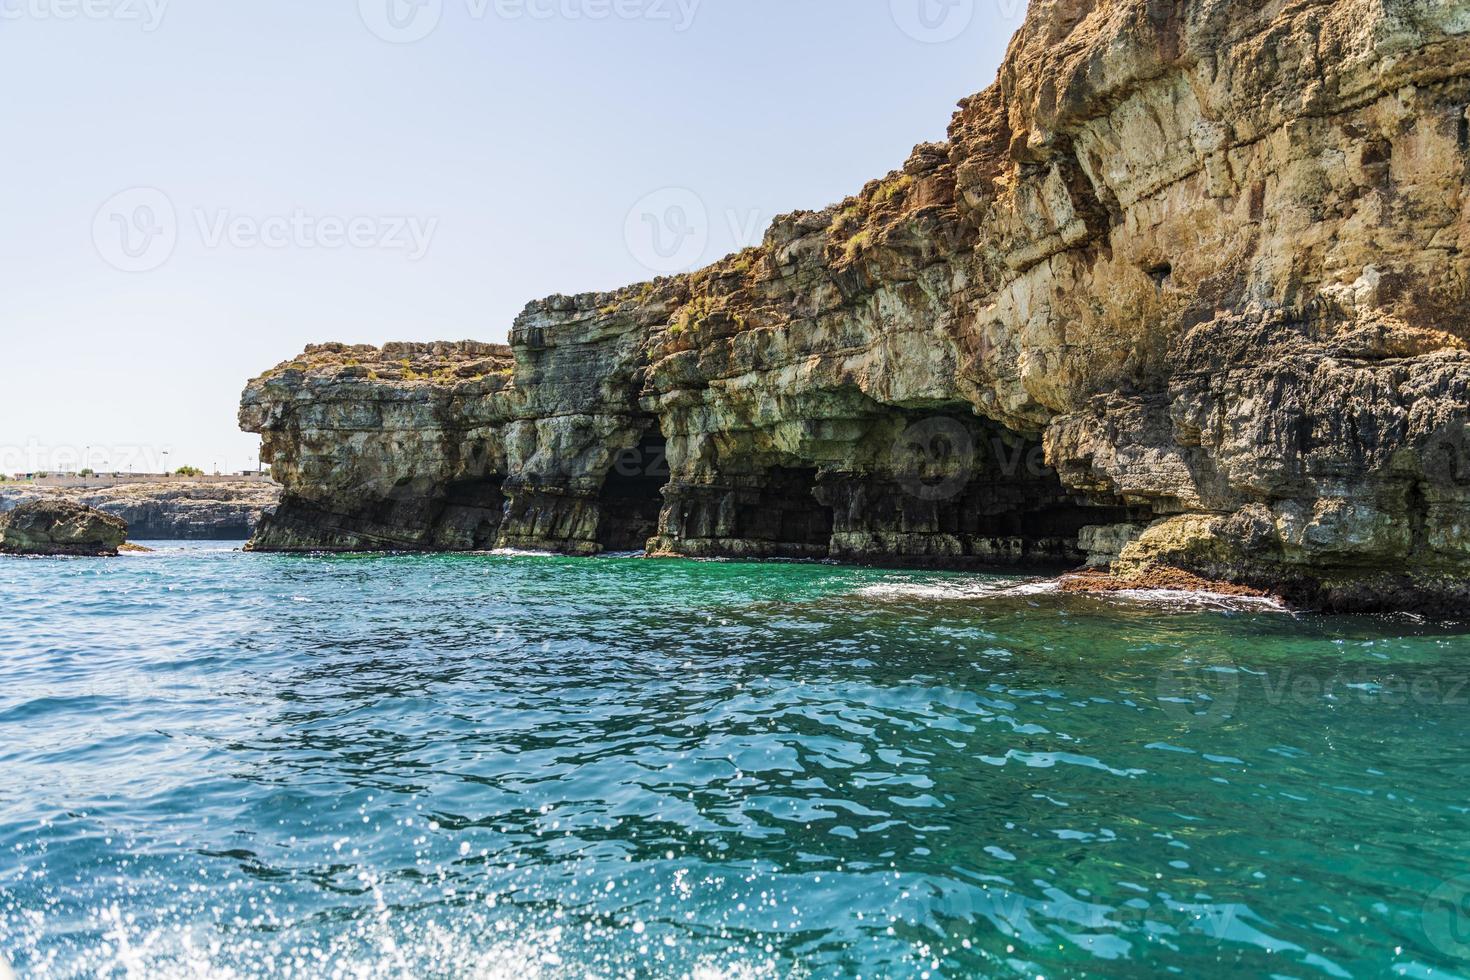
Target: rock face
(60, 527)
(168, 511)
(1186, 287)
(402, 448)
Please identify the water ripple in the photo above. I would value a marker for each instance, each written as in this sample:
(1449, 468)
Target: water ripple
(229, 765)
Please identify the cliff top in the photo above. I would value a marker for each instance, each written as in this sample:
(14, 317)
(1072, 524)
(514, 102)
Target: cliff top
(398, 362)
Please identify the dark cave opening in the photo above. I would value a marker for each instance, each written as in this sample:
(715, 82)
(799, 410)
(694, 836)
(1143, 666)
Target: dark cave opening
(955, 490)
(772, 512)
(939, 487)
(789, 515)
(473, 512)
(632, 495)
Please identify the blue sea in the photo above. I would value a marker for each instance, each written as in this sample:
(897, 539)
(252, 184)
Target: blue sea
(219, 764)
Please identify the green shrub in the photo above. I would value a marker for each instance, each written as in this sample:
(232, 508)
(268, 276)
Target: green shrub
(744, 262)
(848, 214)
(895, 188)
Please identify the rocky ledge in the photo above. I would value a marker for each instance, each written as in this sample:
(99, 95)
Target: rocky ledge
(60, 527)
(168, 511)
(1185, 289)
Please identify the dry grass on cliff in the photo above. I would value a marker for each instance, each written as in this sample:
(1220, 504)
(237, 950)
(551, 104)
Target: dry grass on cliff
(439, 363)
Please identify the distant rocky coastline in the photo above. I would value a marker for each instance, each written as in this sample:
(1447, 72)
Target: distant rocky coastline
(172, 511)
(1185, 294)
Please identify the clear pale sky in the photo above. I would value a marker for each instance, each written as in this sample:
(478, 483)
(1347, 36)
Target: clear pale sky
(193, 190)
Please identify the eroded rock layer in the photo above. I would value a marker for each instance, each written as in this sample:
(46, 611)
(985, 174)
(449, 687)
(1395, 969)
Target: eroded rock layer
(1186, 287)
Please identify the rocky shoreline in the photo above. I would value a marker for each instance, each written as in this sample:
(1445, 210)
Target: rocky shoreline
(1186, 289)
(167, 511)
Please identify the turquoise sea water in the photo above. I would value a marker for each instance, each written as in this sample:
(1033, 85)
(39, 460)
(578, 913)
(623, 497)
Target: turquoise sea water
(221, 764)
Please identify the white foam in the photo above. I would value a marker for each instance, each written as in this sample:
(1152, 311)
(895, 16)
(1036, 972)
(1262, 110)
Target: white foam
(974, 589)
(959, 589)
(1202, 599)
(377, 945)
(163, 548)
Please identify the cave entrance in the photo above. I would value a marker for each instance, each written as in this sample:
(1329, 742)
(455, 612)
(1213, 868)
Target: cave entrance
(473, 511)
(952, 489)
(632, 495)
(1014, 509)
(754, 512)
(789, 516)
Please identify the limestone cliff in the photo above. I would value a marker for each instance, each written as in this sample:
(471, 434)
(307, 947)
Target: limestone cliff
(1186, 286)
